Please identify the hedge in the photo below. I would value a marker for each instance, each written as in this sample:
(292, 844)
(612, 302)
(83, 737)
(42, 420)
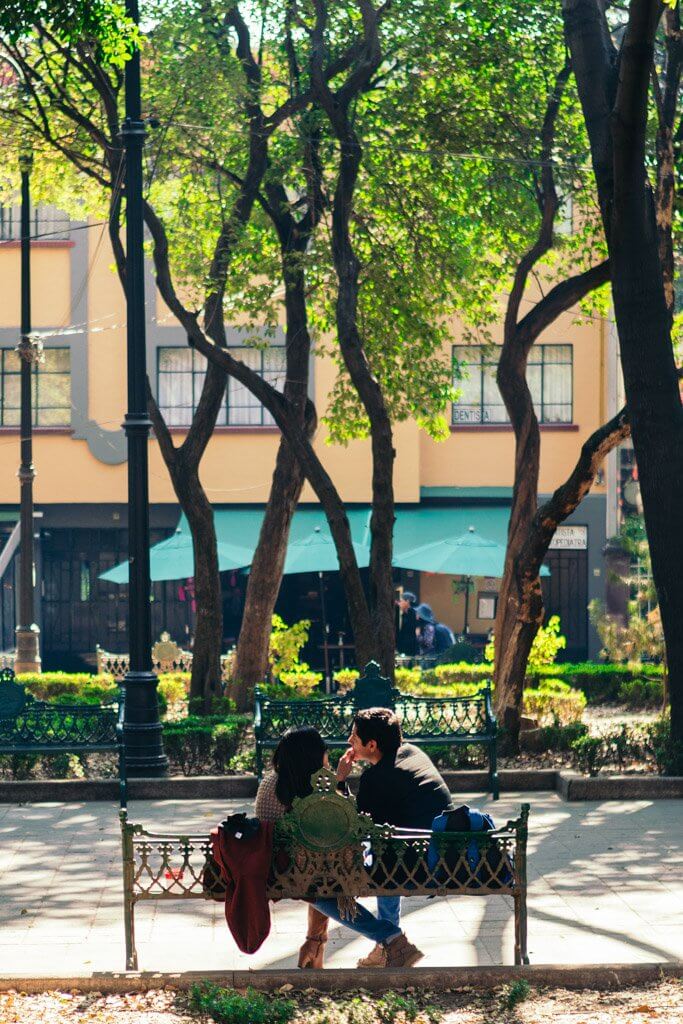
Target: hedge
(195, 742)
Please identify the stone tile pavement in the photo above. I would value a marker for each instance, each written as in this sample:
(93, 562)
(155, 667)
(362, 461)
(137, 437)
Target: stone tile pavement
(606, 886)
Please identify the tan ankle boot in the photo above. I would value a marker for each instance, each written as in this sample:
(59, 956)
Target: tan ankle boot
(312, 952)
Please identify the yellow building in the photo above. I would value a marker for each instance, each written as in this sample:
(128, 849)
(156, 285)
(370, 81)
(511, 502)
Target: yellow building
(80, 458)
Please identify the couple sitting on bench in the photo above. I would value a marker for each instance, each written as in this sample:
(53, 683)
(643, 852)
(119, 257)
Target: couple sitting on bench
(399, 787)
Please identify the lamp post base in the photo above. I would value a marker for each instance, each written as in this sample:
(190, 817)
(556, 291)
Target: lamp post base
(28, 649)
(145, 756)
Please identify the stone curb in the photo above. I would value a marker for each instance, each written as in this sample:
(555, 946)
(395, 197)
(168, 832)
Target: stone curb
(578, 976)
(569, 785)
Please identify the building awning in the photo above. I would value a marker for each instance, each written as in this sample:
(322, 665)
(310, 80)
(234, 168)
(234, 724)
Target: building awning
(237, 532)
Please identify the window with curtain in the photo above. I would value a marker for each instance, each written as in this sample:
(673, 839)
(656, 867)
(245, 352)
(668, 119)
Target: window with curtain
(180, 377)
(549, 376)
(51, 388)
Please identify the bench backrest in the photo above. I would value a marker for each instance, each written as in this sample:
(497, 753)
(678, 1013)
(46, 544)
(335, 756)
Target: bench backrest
(27, 723)
(333, 716)
(330, 850)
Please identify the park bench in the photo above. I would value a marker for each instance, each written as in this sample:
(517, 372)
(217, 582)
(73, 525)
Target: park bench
(425, 721)
(167, 656)
(332, 850)
(30, 726)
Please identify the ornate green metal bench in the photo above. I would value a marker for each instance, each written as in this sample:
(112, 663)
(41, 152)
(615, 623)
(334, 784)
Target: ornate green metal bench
(426, 721)
(30, 726)
(332, 850)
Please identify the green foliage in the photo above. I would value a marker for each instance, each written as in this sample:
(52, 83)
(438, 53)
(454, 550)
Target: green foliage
(559, 738)
(516, 993)
(406, 678)
(547, 644)
(227, 1006)
(227, 737)
(103, 21)
(285, 646)
(345, 678)
(174, 686)
(642, 692)
(304, 681)
(194, 742)
(365, 1008)
(245, 761)
(589, 752)
(657, 741)
(19, 766)
(641, 639)
(461, 650)
(80, 687)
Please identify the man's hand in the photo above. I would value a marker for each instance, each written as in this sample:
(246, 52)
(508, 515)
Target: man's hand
(345, 765)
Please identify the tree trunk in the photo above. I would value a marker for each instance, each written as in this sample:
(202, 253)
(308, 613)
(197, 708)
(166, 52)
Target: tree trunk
(615, 112)
(205, 683)
(520, 617)
(265, 578)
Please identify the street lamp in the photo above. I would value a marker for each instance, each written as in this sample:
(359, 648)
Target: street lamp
(144, 747)
(27, 657)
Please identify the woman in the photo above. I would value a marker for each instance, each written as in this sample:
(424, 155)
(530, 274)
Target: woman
(299, 754)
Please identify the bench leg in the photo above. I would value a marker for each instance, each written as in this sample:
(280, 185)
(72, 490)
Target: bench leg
(129, 924)
(259, 761)
(521, 954)
(128, 900)
(493, 770)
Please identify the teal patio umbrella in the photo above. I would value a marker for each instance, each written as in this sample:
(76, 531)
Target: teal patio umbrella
(173, 559)
(316, 552)
(470, 554)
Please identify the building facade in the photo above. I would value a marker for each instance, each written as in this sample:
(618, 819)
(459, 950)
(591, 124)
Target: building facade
(80, 458)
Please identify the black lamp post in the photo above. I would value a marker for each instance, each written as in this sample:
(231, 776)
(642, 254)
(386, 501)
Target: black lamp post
(27, 633)
(144, 747)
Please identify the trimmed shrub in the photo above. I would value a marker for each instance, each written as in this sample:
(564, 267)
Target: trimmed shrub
(559, 738)
(174, 686)
(600, 683)
(406, 678)
(550, 707)
(452, 690)
(304, 682)
(191, 742)
(642, 692)
(226, 741)
(461, 672)
(461, 651)
(345, 678)
(70, 687)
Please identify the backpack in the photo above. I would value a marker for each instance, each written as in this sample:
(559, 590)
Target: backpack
(443, 638)
(490, 867)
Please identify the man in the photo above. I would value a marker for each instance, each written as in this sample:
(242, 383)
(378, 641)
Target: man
(400, 787)
(406, 624)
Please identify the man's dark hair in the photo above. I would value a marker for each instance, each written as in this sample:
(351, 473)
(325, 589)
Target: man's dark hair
(380, 725)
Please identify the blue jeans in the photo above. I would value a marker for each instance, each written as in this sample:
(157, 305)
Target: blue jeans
(389, 909)
(377, 929)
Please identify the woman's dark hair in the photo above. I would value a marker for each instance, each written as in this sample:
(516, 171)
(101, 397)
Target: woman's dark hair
(297, 756)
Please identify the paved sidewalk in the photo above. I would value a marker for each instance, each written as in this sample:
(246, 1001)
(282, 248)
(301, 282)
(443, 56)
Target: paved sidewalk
(606, 886)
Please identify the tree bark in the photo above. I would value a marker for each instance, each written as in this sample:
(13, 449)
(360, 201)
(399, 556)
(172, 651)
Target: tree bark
(336, 106)
(615, 111)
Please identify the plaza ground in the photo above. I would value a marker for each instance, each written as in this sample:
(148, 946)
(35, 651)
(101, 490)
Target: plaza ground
(661, 1002)
(605, 886)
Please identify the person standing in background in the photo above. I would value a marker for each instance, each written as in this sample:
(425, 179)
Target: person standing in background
(406, 624)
